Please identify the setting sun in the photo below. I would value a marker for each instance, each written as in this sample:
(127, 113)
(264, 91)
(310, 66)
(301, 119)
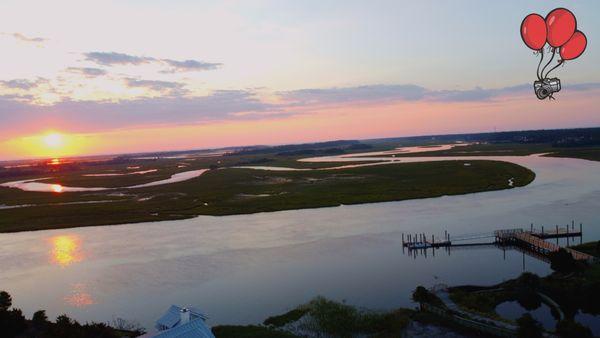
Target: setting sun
(50, 144)
(53, 140)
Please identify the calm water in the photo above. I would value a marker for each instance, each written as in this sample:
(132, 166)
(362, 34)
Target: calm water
(240, 269)
(513, 310)
(33, 185)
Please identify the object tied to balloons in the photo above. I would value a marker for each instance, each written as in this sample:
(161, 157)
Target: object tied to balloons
(559, 30)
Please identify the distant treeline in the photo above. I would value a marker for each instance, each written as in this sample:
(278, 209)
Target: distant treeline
(579, 137)
(319, 148)
(556, 137)
(37, 169)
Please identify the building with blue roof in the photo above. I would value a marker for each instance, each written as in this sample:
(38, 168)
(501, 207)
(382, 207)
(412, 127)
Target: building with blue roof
(181, 322)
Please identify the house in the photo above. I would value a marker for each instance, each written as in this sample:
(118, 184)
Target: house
(181, 322)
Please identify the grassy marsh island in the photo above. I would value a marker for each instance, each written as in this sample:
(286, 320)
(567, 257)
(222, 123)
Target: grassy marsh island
(228, 191)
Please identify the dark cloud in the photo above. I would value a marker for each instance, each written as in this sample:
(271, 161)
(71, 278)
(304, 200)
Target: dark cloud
(392, 93)
(583, 86)
(176, 107)
(112, 58)
(24, 38)
(89, 72)
(158, 86)
(353, 94)
(105, 115)
(174, 66)
(23, 84)
(476, 94)
(189, 66)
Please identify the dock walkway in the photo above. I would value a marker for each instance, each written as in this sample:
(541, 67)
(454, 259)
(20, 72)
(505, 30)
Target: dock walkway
(535, 242)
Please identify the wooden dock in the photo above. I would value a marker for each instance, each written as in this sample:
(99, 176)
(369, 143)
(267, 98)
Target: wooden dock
(532, 240)
(420, 241)
(535, 242)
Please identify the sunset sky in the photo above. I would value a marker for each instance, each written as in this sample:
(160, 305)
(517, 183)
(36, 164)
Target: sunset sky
(97, 77)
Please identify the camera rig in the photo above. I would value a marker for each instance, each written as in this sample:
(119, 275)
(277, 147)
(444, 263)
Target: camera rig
(546, 88)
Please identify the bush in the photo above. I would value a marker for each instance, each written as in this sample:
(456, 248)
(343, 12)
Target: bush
(422, 295)
(340, 320)
(562, 261)
(529, 300)
(528, 327)
(334, 318)
(127, 325)
(528, 280)
(571, 329)
(248, 331)
(288, 317)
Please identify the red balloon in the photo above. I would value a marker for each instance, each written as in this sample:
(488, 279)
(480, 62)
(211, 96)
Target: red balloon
(574, 47)
(533, 31)
(561, 25)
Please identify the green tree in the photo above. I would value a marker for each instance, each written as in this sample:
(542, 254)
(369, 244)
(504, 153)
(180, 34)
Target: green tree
(528, 327)
(5, 301)
(39, 319)
(571, 329)
(529, 281)
(529, 300)
(421, 295)
(562, 261)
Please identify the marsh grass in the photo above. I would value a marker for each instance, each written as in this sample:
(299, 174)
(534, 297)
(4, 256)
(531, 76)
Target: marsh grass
(217, 192)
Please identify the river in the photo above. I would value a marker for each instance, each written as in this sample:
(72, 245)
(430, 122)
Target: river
(243, 268)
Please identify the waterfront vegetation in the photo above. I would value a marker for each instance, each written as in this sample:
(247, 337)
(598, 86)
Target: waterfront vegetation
(14, 324)
(324, 317)
(571, 290)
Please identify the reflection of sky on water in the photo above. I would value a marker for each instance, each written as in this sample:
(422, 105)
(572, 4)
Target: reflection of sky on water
(513, 310)
(244, 268)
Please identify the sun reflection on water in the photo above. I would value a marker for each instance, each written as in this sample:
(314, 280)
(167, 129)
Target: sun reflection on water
(66, 250)
(80, 297)
(57, 188)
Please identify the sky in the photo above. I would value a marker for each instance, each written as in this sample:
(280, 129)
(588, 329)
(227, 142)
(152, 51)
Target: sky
(147, 75)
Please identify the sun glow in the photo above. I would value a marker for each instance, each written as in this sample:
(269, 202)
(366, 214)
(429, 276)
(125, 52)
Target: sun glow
(50, 144)
(53, 140)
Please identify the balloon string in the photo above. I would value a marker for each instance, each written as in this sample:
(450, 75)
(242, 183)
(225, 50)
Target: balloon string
(539, 64)
(560, 63)
(552, 58)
